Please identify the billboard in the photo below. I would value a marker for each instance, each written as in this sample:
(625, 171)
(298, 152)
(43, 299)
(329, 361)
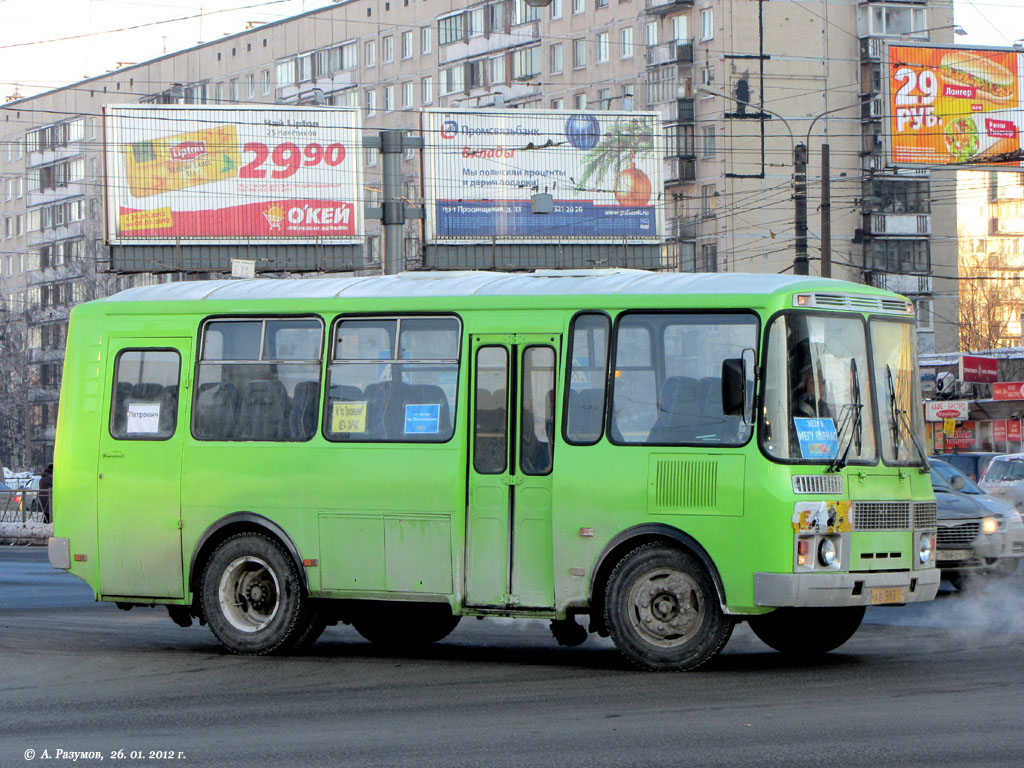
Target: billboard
(233, 174)
(482, 167)
(955, 106)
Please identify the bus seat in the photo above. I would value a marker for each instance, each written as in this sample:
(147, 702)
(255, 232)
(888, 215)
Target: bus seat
(305, 409)
(378, 396)
(121, 397)
(346, 393)
(678, 411)
(168, 410)
(217, 407)
(264, 411)
(586, 414)
(147, 392)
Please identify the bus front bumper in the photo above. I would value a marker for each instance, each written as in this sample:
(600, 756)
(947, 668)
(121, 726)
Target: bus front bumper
(833, 590)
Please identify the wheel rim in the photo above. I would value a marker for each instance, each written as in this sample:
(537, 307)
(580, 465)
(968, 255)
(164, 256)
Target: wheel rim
(248, 593)
(666, 607)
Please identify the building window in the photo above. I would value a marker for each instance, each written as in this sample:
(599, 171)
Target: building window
(707, 200)
(556, 58)
(556, 9)
(266, 82)
(883, 196)
(603, 47)
(707, 24)
(626, 43)
(371, 103)
(707, 76)
(899, 256)
(497, 76)
(451, 29)
(408, 94)
(305, 67)
(604, 99)
(250, 86)
(526, 62)
(708, 257)
(923, 311)
(580, 101)
(427, 86)
(426, 40)
(579, 6)
(895, 20)
(407, 45)
(370, 156)
(579, 53)
(651, 33)
(523, 13)
(389, 98)
(708, 135)
(679, 29)
(475, 19)
(600, 3)
(558, 103)
(370, 54)
(285, 73)
(388, 54)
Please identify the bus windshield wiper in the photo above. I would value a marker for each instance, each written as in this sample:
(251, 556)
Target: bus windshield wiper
(851, 419)
(901, 422)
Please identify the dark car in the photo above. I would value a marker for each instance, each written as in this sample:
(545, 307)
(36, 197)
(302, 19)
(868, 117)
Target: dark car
(972, 464)
(979, 536)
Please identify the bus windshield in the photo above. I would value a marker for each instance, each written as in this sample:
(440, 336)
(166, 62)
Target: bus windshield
(897, 390)
(817, 404)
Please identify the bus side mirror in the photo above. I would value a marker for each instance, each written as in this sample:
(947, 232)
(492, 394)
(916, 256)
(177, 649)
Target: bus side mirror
(738, 386)
(733, 381)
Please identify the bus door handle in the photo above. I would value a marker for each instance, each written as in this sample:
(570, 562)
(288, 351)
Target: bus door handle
(113, 455)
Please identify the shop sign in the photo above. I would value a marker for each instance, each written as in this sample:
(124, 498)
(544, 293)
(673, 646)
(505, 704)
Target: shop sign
(984, 370)
(937, 410)
(1008, 390)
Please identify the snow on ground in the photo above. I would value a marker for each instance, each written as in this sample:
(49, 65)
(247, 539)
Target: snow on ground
(29, 532)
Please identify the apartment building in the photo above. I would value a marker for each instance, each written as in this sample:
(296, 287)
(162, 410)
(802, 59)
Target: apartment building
(737, 83)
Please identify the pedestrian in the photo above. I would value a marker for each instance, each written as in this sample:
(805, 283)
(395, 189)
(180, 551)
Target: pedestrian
(46, 493)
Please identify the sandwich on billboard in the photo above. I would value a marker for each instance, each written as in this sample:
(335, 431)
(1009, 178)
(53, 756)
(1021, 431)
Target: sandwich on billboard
(955, 106)
(482, 167)
(233, 174)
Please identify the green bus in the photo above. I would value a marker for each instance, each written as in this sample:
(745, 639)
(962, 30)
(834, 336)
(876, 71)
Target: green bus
(666, 454)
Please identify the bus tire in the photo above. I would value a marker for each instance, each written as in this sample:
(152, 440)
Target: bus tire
(807, 631)
(404, 625)
(253, 598)
(662, 609)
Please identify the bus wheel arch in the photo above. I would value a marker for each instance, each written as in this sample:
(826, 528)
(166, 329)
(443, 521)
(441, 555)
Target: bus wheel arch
(225, 528)
(624, 543)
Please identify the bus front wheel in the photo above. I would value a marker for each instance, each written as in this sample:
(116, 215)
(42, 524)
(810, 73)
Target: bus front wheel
(662, 610)
(807, 631)
(253, 598)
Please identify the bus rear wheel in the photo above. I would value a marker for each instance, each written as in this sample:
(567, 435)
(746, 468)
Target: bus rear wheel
(807, 631)
(404, 625)
(253, 597)
(662, 609)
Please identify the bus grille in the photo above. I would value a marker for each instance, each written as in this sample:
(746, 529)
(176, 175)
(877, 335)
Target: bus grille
(686, 485)
(957, 536)
(818, 484)
(881, 515)
(924, 514)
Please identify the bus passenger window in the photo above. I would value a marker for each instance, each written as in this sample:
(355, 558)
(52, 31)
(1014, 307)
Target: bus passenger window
(588, 372)
(490, 433)
(536, 439)
(393, 380)
(259, 379)
(144, 405)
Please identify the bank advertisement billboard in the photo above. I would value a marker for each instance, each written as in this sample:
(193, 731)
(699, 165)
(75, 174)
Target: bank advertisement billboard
(483, 166)
(961, 107)
(233, 174)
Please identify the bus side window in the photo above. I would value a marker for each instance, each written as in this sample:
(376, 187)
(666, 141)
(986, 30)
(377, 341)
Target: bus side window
(144, 405)
(588, 372)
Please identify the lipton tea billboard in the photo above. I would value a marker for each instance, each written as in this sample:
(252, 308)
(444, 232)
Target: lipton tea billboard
(233, 174)
(955, 106)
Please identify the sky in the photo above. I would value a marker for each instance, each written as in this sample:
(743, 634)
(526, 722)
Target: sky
(34, 58)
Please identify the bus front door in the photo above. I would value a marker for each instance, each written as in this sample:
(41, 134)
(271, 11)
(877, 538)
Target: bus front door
(509, 560)
(138, 491)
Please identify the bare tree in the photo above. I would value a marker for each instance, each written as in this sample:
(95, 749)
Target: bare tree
(990, 299)
(13, 390)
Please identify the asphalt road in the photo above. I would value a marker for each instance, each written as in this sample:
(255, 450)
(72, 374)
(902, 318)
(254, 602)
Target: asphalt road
(934, 685)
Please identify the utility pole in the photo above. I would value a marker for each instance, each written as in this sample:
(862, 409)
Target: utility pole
(826, 214)
(800, 260)
(392, 144)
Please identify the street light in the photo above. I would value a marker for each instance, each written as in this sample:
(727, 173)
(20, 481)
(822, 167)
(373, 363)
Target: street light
(801, 262)
(957, 30)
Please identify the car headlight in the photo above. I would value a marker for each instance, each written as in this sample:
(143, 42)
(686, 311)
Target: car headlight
(827, 552)
(924, 552)
(990, 524)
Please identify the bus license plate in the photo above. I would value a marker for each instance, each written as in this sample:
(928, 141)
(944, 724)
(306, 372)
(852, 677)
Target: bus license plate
(886, 595)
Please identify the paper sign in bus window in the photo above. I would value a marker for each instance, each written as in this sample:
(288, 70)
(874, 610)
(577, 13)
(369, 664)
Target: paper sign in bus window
(348, 417)
(818, 439)
(143, 419)
(422, 419)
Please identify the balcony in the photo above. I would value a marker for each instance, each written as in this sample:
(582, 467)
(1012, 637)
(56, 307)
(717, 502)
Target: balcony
(903, 284)
(673, 52)
(679, 169)
(912, 224)
(662, 7)
(684, 111)
(1005, 226)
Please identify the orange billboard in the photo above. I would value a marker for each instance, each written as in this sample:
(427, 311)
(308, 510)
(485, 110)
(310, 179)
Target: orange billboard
(955, 106)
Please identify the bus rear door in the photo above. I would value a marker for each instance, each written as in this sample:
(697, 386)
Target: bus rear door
(138, 496)
(509, 561)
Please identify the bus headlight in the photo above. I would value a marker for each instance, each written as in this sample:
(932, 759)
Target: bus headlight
(924, 552)
(827, 552)
(990, 524)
